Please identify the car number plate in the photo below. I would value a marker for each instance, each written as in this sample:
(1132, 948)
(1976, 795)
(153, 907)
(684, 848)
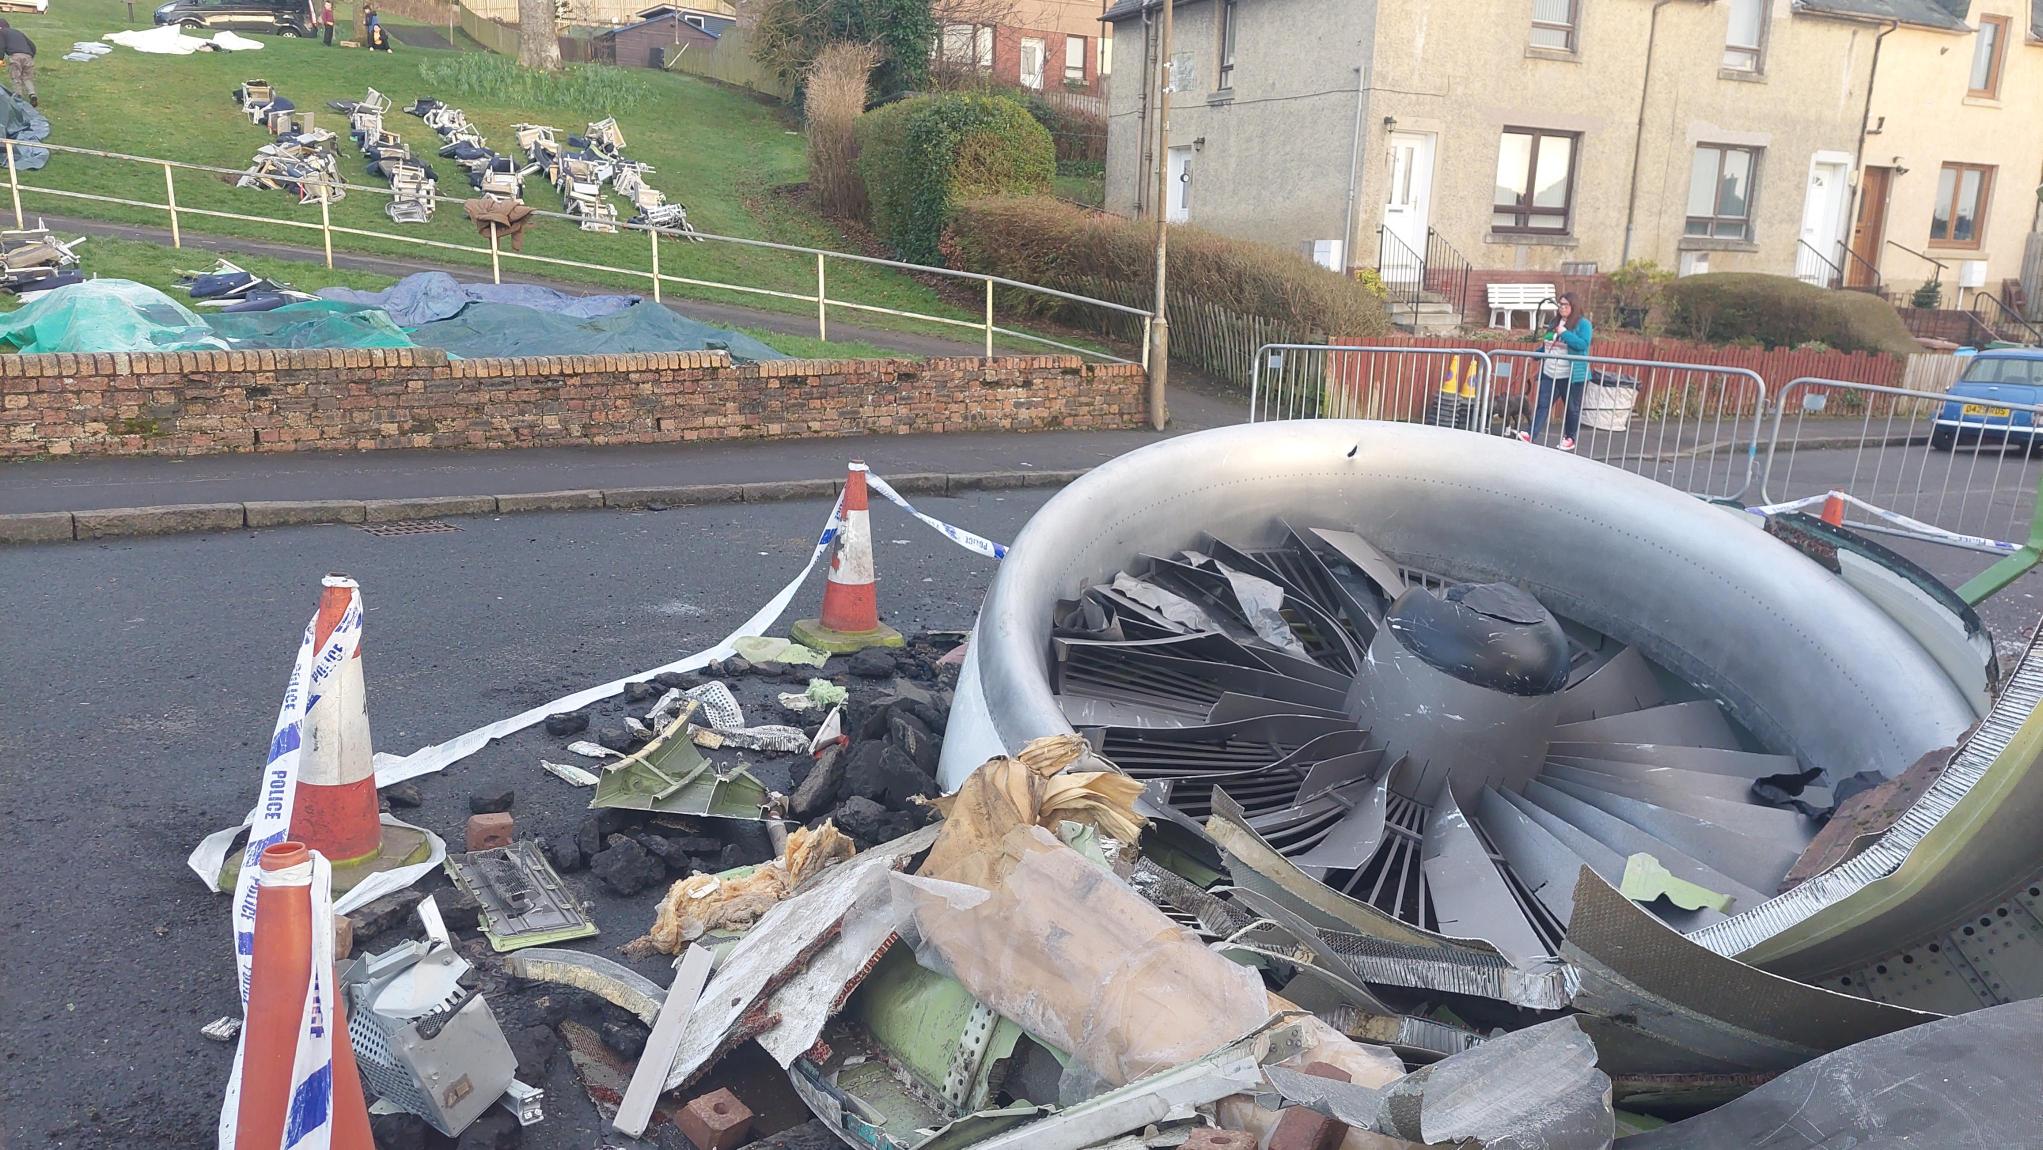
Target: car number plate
(1982, 409)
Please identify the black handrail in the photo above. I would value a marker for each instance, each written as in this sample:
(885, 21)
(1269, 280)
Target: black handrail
(1836, 276)
(1402, 271)
(2000, 319)
(1940, 265)
(1447, 271)
(1854, 262)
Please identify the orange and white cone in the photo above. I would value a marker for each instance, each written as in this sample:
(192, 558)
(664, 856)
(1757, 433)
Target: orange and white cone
(1833, 509)
(280, 978)
(334, 810)
(851, 607)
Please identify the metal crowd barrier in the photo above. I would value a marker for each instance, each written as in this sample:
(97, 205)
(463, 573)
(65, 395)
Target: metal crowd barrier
(1446, 386)
(1943, 470)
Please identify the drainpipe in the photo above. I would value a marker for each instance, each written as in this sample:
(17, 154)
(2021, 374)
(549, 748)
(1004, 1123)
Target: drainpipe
(1355, 157)
(1858, 159)
(1631, 198)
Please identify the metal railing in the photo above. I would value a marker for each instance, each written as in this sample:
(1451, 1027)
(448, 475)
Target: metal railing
(1689, 425)
(1956, 471)
(1812, 266)
(651, 275)
(1443, 386)
(1402, 272)
(2004, 321)
(1860, 274)
(1446, 271)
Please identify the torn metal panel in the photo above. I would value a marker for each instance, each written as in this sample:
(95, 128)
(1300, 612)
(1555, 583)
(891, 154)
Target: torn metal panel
(607, 980)
(524, 903)
(669, 775)
(1967, 1082)
(1636, 969)
(818, 993)
(775, 949)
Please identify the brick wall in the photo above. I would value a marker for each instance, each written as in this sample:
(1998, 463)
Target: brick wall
(1007, 58)
(201, 403)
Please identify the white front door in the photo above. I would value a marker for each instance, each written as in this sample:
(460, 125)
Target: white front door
(1032, 54)
(1178, 207)
(1407, 202)
(1823, 208)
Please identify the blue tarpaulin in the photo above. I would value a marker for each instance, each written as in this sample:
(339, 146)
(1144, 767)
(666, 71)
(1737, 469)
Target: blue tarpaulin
(427, 297)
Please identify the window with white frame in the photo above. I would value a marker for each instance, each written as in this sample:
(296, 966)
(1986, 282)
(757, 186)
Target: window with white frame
(1074, 59)
(1225, 72)
(1745, 35)
(967, 46)
(1553, 24)
(1034, 58)
(1720, 187)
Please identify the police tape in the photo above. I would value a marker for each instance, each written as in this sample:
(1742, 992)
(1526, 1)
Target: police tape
(1928, 530)
(308, 1120)
(426, 760)
(269, 821)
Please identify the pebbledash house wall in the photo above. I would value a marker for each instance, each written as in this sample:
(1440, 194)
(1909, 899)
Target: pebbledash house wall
(202, 403)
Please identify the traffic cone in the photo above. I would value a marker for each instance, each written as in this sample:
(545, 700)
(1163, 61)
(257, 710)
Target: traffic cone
(851, 606)
(279, 976)
(1833, 509)
(334, 810)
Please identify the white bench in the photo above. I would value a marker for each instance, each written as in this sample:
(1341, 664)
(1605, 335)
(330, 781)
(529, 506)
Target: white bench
(1508, 299)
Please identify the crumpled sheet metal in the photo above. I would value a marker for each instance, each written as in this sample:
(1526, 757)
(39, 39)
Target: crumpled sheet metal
(1967, 1082)
(1633, 968)
(1532, 1089)
(813, 997)
(733, 1005)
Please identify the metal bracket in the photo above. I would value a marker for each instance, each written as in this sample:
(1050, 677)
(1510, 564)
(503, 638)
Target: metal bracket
(960, 1079)
(527, 1102)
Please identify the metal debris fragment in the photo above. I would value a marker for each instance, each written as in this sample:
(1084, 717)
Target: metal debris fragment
(569, 773)
(524, 903)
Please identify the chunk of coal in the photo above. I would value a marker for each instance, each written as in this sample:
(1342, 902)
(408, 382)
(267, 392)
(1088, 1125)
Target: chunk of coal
(869, 822)
(915, 740)
(676, 680)
(572, 723)
(821, 787)
(491, 800)
(399, 1131)
(697, 844)
(391, 910)
(619, 739)
(405, 795)
(589, 836)
(928, 713)
(885, 774)
(769, 669)
(458, 909)
(626, 1038)
(661, 847)
(639, 692)
(566, 852)
(535, 1048)
(872, 663)
(497, 1129)
(626, 867)
(734, 666)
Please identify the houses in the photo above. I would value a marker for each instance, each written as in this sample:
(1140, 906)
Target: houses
(1850, 142)
(1043, 45)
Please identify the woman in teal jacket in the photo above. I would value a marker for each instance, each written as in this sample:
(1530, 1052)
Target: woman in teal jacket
(1569, 336)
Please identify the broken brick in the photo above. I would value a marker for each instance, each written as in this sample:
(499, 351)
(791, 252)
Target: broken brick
(718, 1121)
(1301, 1128)
(487, 832)
(1212, 1138)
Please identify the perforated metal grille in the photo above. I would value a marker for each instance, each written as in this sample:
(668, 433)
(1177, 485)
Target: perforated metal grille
(381, 1072)
(406, 527)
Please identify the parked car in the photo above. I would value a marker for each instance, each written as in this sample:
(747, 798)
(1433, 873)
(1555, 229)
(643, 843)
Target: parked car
(1981, 408)
(284, 17)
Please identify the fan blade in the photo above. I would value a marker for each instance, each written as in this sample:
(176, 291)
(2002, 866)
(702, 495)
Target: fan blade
(1701, 784)
(1746, 765)
(1470, 897)
(1697, 724)
(1542, 862)
(1757, 862)
(1625, 683)
(1628, 840)
(1363, 555)
(1355, 838)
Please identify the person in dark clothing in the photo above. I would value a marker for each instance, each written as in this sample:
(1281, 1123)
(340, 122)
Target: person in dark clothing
(379, 40)
(326, 21)
(20, 53)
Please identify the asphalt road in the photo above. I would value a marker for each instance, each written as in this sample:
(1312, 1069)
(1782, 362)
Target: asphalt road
(141, 681)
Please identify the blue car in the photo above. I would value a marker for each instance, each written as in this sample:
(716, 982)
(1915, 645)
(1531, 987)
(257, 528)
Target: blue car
(1979, 410)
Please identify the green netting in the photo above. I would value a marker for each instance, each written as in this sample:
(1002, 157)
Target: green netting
(105, 315)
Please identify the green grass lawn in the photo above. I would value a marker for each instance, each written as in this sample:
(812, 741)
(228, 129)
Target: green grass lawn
(719, 151)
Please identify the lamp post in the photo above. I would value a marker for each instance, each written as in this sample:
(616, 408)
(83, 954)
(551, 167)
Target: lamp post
(1159, 329)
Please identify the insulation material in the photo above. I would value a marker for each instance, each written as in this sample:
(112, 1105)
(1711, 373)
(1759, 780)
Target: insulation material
(1081, 962)
(701, 903)
(1027, 790)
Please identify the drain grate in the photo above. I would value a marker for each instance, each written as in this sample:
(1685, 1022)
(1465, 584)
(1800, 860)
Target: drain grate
(406, 527)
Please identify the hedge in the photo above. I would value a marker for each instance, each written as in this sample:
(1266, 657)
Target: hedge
(923, 155)
(1780, 311)
(1048, 242)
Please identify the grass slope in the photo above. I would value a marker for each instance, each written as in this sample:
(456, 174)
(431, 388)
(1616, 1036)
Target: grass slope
(714, 149)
